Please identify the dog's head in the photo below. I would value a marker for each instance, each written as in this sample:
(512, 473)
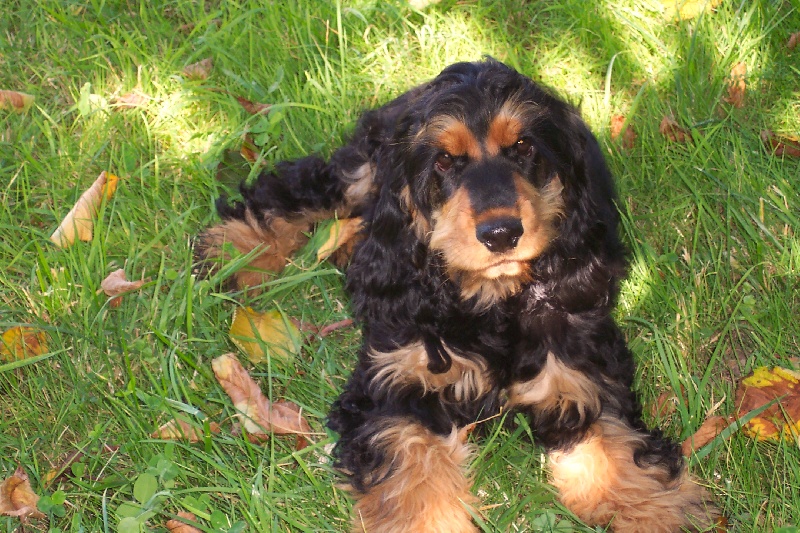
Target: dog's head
(491, 170)
(500, 183)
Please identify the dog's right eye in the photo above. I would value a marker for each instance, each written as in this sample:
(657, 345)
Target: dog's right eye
(444, 162)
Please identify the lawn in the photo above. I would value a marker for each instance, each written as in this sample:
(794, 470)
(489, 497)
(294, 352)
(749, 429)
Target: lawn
(713, 225)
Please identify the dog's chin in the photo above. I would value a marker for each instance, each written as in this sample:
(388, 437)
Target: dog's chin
(504, 269)
(490, 285)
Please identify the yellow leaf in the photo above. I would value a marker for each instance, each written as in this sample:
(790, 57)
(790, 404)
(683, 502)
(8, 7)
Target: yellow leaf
(15, 101)
(341, 232)
(688, 9)
(782, 419)
(79, 222)
(17, 498)
(252, 332)
(21, 342)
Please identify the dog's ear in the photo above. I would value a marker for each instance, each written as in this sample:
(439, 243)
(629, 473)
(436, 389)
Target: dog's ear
(586, 261)
(390, 278)
(581, 270)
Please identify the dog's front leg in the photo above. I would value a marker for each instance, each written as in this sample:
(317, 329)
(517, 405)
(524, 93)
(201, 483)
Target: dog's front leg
(607, 467)
(419, 485)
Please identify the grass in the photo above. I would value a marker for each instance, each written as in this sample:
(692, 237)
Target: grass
(713, 227)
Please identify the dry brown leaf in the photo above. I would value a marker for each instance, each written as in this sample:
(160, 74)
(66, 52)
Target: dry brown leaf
(736, 85)
(259, 416)
(58, 471)
(780, 144)
(181, 430)
(79, 222)
(200, 70)
(17, 498)
(116, 284)
(22, 342)
(254, 108)
(794, 40)
(340, 233)
(251, 331)
(628, 134)
(15, 101)
(249, 150)
(182, 526)
(670, 129)
(130, 100)
(708, 430)
(780, 420)
(664, 405)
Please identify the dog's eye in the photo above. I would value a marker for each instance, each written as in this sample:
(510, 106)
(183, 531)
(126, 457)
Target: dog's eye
(524, 147)
(444, 162)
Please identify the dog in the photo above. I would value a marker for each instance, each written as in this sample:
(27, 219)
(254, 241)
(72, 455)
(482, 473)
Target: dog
(484, 277)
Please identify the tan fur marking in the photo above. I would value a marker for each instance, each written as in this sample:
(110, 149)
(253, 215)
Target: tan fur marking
(419, 223)
(556, 388)
(467, 379)
(504, 131)
(453, 136)
(360, 185)
(489, 276)
(276, 238)
(600, 482)
(427, 490)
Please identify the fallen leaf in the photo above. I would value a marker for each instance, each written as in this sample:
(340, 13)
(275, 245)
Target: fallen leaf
(259, 416)
(15, 101)
(781, 420)
(254, 108)
(628, 134)
(62, 467)
(181, 430)
(780, 144)
(736, 85)
(116, 284)
(22, 342)
(252, 331)
(249, 150)
(341, 231)
(130, 100)
(664, 405)
(794, 39)
(17, 498)
(182, 526)
(670, 129)
(688, 9)
(200, 70)
(79, 222)
(707, 431)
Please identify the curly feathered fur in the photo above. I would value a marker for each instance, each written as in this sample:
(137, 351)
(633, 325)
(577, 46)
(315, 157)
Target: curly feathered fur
(485, 276)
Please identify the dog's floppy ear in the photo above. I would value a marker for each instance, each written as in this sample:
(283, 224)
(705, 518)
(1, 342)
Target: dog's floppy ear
(586, 261)
(390, 277)
(579, 274)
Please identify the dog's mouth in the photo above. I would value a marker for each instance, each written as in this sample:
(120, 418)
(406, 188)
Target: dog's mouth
(505, 268)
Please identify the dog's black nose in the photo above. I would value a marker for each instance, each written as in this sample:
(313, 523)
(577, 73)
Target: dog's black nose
(499, 234)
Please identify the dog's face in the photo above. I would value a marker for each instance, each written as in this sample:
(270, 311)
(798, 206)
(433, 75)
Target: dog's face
(482, 190)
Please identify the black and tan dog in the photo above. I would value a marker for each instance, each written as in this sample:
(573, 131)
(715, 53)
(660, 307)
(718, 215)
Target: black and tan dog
(486, 272)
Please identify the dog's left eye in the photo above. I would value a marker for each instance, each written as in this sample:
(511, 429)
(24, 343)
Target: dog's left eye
(524, 147)
(443, 162)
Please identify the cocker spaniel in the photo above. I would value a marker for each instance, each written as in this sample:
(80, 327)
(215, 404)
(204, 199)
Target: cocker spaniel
(484, 278)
